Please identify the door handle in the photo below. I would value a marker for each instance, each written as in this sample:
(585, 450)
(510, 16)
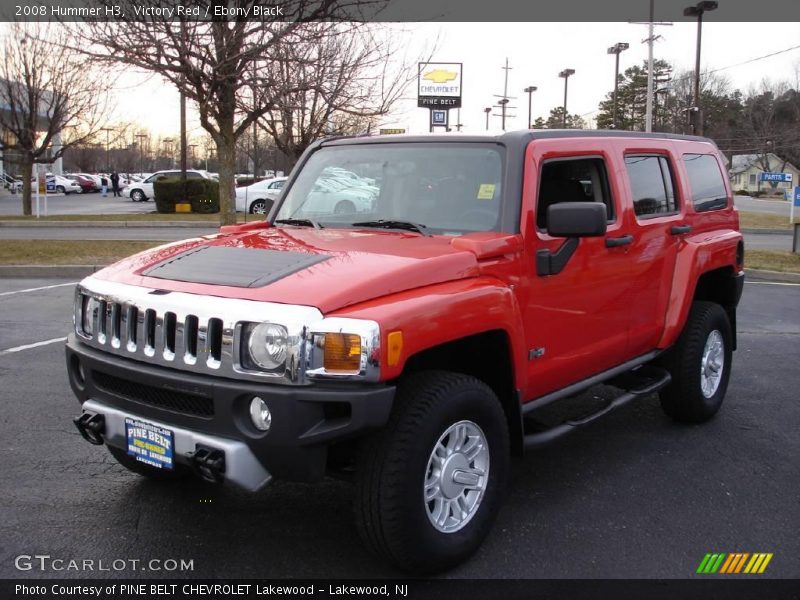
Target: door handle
(679, 229)
(619, 241)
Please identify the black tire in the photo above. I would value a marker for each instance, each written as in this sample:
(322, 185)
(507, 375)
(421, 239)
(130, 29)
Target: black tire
(61, 190)
(344, 207)
(138, 196)
(392, 515)
(684, 399)
(130, 463)
(259, 207)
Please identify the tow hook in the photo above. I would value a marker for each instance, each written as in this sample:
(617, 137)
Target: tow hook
(91, 427)
(208, 464)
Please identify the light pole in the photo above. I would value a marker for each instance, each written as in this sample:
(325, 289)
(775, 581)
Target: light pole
(697, 11)
(616, 49)
(503, 102)
(191, 153)
(168, 151)
(566, 75)
(529, 90)
(140, 137)
(108, 155)
(487, 110)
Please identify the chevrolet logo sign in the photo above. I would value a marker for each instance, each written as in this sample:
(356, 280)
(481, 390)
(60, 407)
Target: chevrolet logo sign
(440, 76)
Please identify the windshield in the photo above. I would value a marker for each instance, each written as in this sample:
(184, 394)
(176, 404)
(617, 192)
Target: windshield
(450, 188)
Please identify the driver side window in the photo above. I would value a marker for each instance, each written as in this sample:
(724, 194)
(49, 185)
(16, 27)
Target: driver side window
(573, 180)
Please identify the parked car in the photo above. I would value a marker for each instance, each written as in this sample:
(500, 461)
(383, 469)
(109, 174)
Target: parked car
(259, 197)
(61, 184)
(87, 184)
(143, 190)
(414, 348)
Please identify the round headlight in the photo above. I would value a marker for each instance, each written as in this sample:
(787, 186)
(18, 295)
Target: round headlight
(267, 346)
(260, 415)
(90, 306)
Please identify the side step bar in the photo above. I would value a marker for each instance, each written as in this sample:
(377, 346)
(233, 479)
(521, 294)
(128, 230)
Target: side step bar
(638, 383)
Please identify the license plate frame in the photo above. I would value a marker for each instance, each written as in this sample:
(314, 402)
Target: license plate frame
(149, 443)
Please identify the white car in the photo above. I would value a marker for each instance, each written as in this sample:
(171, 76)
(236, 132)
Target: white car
(259, 197)
(143, 190)
(61, 184)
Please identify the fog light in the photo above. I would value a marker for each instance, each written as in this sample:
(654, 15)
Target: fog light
(260, 415)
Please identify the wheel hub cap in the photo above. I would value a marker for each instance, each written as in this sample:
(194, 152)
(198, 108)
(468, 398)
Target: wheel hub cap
(456, 476)
(712, 364)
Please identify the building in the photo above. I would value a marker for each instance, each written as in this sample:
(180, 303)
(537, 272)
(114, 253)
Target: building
(746, 170)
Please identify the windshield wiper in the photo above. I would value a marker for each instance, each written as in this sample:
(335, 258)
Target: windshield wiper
(390, 224)
(299, 222)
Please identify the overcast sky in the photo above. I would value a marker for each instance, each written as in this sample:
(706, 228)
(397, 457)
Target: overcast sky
(536, 52)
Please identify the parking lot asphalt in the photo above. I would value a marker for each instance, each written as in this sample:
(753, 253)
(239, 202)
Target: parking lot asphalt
(632, 496)
(77, 204)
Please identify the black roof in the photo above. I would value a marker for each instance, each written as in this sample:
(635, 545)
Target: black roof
(512, 137)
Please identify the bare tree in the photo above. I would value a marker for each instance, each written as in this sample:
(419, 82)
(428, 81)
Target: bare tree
(216, 62)
(336, 84)
(53, 99)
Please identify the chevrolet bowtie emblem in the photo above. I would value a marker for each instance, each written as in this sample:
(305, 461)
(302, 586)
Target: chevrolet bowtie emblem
(440, 76)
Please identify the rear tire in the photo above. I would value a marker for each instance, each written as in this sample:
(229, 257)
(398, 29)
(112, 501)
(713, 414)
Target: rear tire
(430, 484)
(700, 365)
(130, 463)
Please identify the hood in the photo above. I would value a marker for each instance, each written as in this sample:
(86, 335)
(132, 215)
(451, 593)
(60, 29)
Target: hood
(325, 268)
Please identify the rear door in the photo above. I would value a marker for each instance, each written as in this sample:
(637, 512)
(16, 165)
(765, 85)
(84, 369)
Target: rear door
(657, 225)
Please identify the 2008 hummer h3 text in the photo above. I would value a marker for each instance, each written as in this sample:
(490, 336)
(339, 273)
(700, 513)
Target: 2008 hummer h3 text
(404, 312)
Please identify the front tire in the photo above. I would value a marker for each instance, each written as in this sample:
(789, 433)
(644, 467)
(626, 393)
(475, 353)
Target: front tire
(138, 196)
(61, 190)
(430, 484)
(700, 365)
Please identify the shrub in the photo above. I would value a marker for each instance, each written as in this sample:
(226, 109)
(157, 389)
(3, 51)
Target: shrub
(757, 194)
(202, 194)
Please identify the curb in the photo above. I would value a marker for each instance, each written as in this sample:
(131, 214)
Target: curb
(776, 276)
(111, 224)
(767, 231)
(43, 271)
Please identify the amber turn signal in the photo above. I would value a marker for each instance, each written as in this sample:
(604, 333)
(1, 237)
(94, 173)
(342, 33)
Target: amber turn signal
(342, 352)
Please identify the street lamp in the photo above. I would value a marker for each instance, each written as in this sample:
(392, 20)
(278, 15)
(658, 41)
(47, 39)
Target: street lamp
(503, 102)
(566, 74)
(697, 11)
(140, 137)
(108, 156)
(616, 49)
(529, 90)
(487, 110)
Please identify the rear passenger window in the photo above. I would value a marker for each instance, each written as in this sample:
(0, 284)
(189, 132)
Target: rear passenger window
(705, 179)
(651, 185)
(573, 180)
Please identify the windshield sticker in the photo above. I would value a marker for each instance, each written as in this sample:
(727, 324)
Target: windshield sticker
(486, 191)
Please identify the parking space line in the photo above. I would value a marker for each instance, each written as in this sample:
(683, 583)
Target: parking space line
(36, 289)
(34, 345)
(771, 283)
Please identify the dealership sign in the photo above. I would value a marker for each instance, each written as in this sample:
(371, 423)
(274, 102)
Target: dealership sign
(439, 85)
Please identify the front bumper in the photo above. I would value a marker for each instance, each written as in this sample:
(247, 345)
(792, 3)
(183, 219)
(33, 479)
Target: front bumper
(210, 411)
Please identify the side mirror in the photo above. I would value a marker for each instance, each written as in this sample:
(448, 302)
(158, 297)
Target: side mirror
(571, 220)
(577, 219)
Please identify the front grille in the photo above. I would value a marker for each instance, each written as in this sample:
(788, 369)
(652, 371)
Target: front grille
(182, 402)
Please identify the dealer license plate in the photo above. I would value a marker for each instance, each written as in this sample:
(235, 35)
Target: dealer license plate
(150, 444)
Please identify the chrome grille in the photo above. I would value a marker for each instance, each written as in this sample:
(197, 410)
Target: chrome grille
(186, 331)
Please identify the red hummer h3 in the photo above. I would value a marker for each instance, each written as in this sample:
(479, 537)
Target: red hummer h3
(405, 311)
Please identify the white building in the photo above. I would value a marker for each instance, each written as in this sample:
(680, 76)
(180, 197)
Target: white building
(746, 170)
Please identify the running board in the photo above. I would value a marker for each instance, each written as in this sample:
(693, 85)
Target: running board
(638, 383)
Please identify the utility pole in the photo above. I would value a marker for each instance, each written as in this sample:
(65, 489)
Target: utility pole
(651, 37)
(503, 102)
(616, 49)
(529, 90)
(183, 118)
(566, 73)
